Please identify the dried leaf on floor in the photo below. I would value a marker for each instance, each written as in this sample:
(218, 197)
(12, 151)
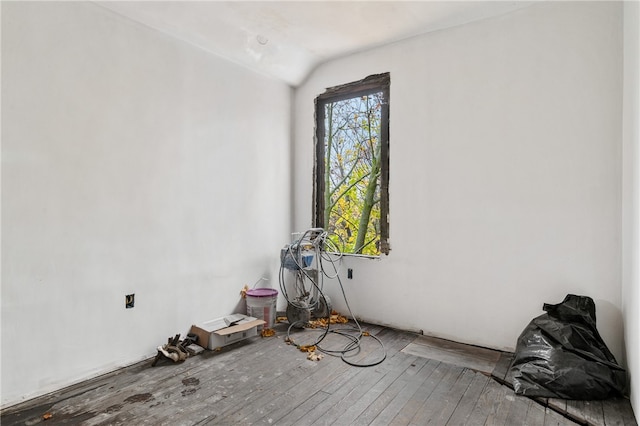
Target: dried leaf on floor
(313, 356)
(307, 348)
(268, 332)
(339, 319)
(335, 318)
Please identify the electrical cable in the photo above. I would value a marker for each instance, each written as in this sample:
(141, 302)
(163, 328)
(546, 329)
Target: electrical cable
(320, 243)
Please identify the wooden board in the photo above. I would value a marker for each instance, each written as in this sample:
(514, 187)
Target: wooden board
(473, 357)
(502, 370)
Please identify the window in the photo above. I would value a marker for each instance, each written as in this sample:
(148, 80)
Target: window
(351, 185)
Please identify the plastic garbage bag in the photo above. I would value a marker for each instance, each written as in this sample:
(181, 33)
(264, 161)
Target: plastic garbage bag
(560, 354)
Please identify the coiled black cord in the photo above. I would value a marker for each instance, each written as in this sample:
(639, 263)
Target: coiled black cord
(354, 335)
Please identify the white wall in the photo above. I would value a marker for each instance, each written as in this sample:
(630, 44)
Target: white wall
(131, 163)
(631, 197)
(505, 191)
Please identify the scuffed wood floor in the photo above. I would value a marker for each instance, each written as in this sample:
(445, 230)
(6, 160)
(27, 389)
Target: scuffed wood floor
(266, 381)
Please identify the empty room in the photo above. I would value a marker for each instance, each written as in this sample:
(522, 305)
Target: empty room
(320, 212)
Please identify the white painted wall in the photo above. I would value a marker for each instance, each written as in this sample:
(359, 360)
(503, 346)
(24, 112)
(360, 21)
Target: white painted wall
(131, 163)
(631, 197)
(505, 189)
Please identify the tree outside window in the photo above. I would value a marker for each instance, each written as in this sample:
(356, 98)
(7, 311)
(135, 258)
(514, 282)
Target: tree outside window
(352, 161)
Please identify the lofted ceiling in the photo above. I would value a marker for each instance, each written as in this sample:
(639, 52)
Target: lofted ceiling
(288, 39)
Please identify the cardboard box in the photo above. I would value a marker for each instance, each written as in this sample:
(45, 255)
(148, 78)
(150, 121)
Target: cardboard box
(216, 333)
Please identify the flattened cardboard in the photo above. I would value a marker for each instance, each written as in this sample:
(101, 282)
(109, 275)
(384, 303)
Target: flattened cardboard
(215, 333)
(242, 326)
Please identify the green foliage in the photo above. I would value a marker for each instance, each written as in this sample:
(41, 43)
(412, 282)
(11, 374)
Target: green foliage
(352, 173)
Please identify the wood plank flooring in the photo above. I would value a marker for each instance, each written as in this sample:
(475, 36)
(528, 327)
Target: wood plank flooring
(475, 358)
(269, 382)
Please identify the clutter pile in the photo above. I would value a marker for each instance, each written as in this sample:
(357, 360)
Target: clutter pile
(212, 335)
(178, 350)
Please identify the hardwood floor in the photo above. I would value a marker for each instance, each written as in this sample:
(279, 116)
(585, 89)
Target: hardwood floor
(267, 381)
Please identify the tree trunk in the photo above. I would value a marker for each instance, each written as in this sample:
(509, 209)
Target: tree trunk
(367, 206)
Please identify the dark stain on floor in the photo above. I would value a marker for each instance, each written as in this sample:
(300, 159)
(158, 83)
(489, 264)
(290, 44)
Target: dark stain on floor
(189, 391)
(114, 408)
(191, 381)
(141, 397)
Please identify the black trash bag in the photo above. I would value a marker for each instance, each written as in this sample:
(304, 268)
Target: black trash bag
(560, 354)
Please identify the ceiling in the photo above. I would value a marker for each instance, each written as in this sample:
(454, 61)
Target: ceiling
(288, 39)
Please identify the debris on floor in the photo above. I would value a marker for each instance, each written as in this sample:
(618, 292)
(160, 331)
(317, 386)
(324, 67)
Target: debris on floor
(313, 356)
(194, 349)
(268, 332)
(335, 318)
(305, 348)
(172, 350)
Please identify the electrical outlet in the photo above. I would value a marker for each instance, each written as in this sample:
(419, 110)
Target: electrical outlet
(129, 301)
(350, 273)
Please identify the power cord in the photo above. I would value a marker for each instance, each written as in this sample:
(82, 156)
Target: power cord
(354, 335)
